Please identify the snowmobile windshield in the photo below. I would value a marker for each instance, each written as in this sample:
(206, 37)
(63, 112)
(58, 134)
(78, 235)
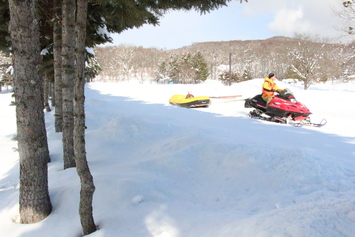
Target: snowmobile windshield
(287, 95)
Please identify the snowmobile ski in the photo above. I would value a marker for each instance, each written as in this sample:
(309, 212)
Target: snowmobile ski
(307, 122)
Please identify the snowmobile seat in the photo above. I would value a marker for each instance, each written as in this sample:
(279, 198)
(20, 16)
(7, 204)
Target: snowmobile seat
(259, 100)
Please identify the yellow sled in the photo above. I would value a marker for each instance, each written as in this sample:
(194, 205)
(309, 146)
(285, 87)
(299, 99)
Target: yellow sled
(194, 102)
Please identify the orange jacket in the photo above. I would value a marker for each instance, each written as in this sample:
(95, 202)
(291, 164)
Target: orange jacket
(269, 87)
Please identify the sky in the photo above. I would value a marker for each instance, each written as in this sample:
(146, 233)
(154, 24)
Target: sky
(257, 19)
(166, 171)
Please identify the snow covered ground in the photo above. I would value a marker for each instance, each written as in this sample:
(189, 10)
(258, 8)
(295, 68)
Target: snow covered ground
(165, 171)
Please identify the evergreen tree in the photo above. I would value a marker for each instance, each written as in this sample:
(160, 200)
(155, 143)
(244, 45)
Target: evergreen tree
(57, 65)
(224, 77)
(246, 75)
(34, 198)
(82, 167)
(185, 68)
(5, 41)
(200, 65)
(92, 69)
(173, 69)
(161, 74)
(6, 80)
(68, 80)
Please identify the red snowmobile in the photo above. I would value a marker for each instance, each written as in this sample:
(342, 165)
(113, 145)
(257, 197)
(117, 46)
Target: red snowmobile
(283, 108)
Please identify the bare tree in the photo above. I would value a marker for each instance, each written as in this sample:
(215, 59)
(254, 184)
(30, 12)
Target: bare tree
(105, 59)
(346, 11)
(305, 59)
(123, 57)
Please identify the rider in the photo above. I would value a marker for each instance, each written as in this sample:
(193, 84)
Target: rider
(189, 95)
(269, 87)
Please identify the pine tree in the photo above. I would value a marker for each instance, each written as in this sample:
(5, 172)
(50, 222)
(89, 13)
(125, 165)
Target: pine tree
(57, 65)
(185, 68)
(34, 198)
(82, 167)
(173, 69)
(224, 77)
(200, 65)
(161, 74)
(5, 41)
(68, 80)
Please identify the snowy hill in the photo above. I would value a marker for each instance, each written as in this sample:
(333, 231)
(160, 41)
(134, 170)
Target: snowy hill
(165, 171)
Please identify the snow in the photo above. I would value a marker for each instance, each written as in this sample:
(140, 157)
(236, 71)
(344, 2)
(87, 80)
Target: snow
(165, 171)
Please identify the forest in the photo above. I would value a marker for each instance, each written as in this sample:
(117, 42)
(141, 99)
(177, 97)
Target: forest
(302, 57)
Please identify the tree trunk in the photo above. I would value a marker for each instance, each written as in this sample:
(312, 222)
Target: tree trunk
(57, 54)
(34, 198)
(51, 93)
(86, 179)
(68, 77)
(46, 87)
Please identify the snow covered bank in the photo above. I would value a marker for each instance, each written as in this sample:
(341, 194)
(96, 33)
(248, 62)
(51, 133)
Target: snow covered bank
(164, 171)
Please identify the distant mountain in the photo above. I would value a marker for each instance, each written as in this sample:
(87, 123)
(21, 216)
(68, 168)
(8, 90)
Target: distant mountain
(272, 43)
(287, 57)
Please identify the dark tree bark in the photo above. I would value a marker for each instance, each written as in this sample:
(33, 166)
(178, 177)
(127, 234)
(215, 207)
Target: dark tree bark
(68, 77)
(51, 93)
(46, 88)
(57, 54)
(86, 179)
(34, 198)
